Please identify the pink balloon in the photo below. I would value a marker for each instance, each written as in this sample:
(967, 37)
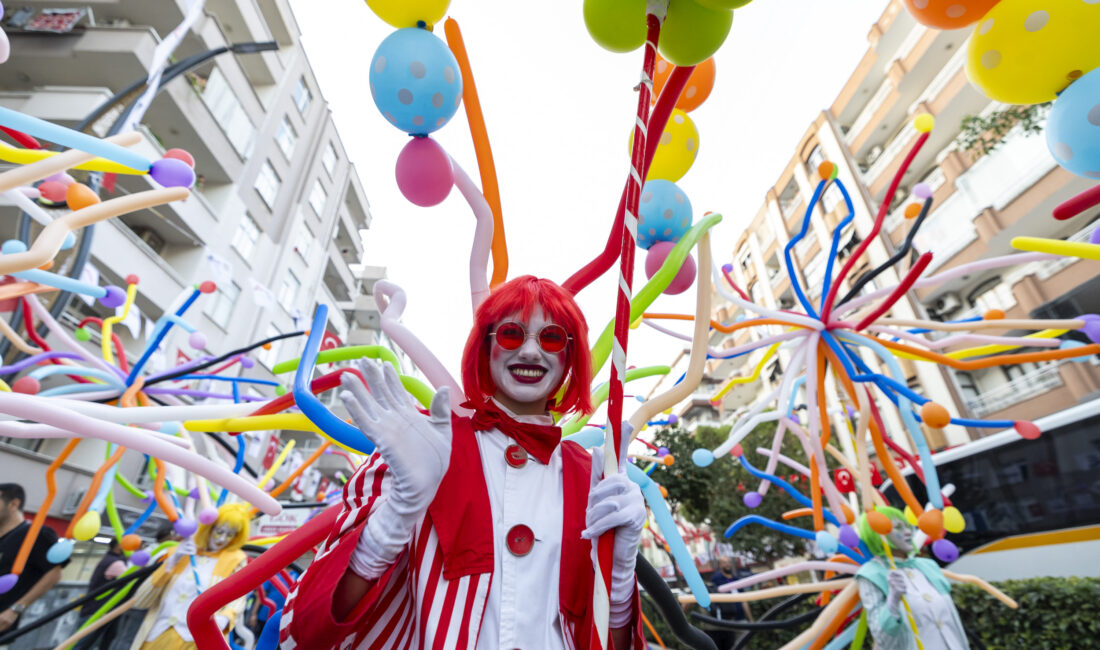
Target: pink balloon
(424, 172)
(656, 257)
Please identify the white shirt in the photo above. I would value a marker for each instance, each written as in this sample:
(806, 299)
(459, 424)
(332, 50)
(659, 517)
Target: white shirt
(522, 608)
(179, 595)
(934, 613)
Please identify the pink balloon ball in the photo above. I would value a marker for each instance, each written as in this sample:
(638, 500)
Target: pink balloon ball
(656, 257)
(197, 340)
(26, 386)
(208, 515)
(52, 191)
(424, 172)
(61, 177)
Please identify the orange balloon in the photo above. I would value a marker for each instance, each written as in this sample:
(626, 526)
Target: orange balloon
(948, 14)
(130, 542)
(79, 196)
(931, 522)
(879, 522)
(935, 415)
(698, 86)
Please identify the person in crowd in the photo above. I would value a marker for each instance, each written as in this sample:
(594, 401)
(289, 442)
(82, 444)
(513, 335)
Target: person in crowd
(725, 639)
(39, 574)
(109, 567)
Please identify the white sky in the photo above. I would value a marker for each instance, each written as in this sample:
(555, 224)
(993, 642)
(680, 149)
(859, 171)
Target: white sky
(559, 110)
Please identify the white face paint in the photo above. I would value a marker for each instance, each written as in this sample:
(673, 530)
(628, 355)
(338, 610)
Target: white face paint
(527, 376)
(901, 536)
(220, 537)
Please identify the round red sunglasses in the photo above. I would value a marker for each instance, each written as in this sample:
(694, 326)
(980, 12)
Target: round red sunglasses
(510, 335)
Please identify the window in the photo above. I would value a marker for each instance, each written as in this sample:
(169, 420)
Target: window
(317, 198)
(267, 184)
(286, 137)
(288, 291)
(270, 356)
(303, 240)
(302, 97)
(244, 240)
(329, 158)
(228, 112)
(220, 308)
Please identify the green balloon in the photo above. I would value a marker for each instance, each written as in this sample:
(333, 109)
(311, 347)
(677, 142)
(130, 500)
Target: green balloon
(692, 33)
(616, 25)
(724, 4)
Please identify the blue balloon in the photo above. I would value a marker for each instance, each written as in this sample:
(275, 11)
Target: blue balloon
(1073, 128)
(702, 457)
(415, 81)
(664, 213)
(61, 550)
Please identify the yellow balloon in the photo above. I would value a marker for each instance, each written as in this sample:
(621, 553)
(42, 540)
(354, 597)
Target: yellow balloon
(87, 527)
(1028, 51)
(676, 149)
(408, 13)
(953, 520)
(910, 516)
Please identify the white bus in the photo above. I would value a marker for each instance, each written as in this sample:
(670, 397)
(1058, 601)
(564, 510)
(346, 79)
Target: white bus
(1032, 507)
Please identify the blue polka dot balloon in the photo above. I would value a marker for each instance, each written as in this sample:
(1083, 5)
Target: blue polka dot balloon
(664, 213)
(415, 81)
(1073, 129)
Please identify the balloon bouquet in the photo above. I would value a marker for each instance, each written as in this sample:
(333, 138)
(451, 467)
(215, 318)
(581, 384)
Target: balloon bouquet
(1033, 52)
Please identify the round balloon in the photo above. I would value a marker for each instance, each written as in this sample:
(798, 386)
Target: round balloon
(948, 14)
(415, 81)
(424, 172)
(1073, 127)
(664, 213)
(656, 257)
(676, 149)
(698, 86)
(724, 4)
(1028, 51)
(692, 33)
(409, 13)
(616, 25)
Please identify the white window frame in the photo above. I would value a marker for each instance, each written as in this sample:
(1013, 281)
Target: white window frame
(314, 198)
(246, 237)
(223, 300)
(286, 137)
(268, 181)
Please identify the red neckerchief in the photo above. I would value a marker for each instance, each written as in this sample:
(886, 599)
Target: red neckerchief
(539, 440)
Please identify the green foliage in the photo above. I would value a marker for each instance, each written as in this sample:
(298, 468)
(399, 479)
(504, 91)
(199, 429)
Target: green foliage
(1054, 613)
(981, 135)
(713, 494)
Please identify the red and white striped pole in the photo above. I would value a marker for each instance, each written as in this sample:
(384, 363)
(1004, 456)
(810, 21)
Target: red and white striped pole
(606, 545)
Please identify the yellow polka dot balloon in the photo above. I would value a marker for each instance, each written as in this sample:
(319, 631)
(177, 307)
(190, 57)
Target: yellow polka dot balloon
(1028, 51)
(676, 149)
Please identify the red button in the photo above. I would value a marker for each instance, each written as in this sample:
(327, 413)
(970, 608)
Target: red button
(515, 456)
(520, 540)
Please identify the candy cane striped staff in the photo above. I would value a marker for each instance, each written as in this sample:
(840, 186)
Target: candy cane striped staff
(655, 15)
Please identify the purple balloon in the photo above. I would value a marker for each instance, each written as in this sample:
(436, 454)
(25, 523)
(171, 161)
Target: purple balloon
(140, 558)
(662, 452)
(848, 536)
(922, 191)
(208, 515)
(197, 340)
(753, 499)
(115, 297)
(7, 582)
(728, 268)
(673, 418)
(247, 362)
(1094, 238)
(185, 527)
(795, 418)
(171, 172)
(194, 493)
(1091, 328)
(945, 550)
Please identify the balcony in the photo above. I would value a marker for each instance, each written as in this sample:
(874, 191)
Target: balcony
(1018, 390)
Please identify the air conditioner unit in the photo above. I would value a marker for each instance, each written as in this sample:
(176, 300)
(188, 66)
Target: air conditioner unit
(72, 502)
(948, 303)
(873, 154)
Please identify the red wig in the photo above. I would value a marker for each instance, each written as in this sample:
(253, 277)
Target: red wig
(523, 295)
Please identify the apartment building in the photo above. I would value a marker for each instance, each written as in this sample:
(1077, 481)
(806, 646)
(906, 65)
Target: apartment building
(275, 218)
(980, 204)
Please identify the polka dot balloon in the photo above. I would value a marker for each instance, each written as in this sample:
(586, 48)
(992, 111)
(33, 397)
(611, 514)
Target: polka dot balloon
(948, 14)
(1028, 51)
(1073, 128)
(676, 150)
(415, 81)
(697, 88)
(664, 213)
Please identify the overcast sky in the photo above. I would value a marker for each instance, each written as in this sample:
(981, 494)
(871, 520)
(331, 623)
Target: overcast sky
(559, 110)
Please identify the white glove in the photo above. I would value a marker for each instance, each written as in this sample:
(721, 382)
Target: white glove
(186, 548)
(417, 450)
(896, 580)
(616, 503)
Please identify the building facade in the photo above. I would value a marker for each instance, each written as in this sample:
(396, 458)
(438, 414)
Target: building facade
(275, 218)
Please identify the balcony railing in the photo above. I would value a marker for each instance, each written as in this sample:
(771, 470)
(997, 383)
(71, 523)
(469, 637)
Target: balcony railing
(1033, 383)
(869, 110)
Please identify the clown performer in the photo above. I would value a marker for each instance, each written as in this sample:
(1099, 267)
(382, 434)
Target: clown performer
(895, 574)
(212, 554)
(475, 532)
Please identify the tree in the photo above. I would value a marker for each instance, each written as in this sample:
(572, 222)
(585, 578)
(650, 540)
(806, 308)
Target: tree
(714, 495)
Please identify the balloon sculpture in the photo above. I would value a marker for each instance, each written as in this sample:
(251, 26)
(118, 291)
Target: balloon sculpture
(1021, 51)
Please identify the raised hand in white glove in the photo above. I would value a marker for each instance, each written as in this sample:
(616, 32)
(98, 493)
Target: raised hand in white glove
(616, 502)
(896, 581)
(186, 548)
(417, 449)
